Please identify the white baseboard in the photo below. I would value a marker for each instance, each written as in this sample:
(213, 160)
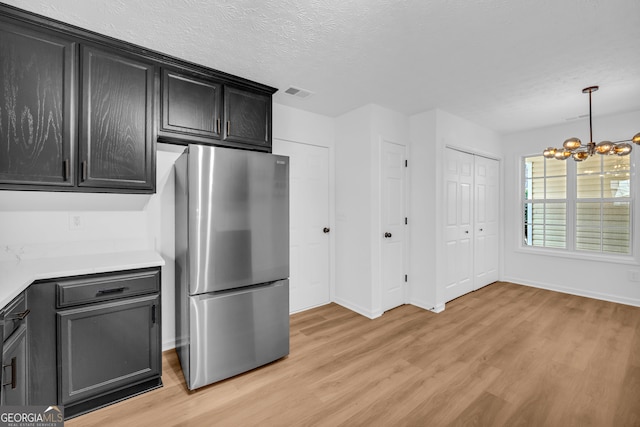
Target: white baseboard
(168, 345)
(574, 291)
(309, 308)
(360, 310)
(437, 308)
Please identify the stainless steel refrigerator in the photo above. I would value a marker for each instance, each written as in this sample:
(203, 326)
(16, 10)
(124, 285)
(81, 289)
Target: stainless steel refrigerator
(232, 261)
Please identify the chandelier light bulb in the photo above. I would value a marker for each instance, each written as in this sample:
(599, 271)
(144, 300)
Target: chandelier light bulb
(636, 138)
(622, 149)
(549, 153)
(579, 156)
(572, 144)
(562, 154)
(604, 147)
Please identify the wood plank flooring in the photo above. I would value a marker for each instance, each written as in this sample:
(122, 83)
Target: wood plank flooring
(506, 355)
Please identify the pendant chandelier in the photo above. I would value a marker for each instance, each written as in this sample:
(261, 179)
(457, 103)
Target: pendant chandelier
(573, 147)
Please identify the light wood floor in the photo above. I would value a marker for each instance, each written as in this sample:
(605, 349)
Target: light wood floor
(504, 355)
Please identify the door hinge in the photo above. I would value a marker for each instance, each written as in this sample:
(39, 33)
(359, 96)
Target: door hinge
(405, 278)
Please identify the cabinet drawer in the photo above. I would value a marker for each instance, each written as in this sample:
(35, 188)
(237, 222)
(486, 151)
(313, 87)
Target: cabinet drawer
(14, 315)
(107, 286)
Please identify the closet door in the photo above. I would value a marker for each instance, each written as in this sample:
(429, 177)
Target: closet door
(471, 222)
(458, 233)
(486, 202)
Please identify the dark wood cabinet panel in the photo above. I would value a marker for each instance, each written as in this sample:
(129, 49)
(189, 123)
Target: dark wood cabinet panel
(14, 369)
(190, 105)
(104, 347)
(116, 139)
(37, 125)
(247, 117)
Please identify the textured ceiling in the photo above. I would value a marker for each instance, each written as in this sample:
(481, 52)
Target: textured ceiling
(505, 64)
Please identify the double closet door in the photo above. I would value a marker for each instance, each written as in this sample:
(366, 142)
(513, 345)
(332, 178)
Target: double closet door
(471, 222)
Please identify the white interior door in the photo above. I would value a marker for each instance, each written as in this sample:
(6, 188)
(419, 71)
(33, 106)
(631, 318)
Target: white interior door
(485, 266)
(393, 225)
(309, 223)
(458, 223)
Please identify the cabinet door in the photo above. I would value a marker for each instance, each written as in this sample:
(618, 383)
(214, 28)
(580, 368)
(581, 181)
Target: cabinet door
(103, 347)
(247, 117)
(116, 140)
(14, 369)
(37, 126)
(190, 105)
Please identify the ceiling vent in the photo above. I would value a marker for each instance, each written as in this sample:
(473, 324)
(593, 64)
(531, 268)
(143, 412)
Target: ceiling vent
(298, 93)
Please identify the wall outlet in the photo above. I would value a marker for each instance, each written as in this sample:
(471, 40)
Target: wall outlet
(76, 221)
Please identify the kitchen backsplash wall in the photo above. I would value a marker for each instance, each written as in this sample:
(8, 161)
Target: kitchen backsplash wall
(34, 234)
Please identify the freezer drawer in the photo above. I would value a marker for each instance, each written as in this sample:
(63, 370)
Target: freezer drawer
(237, 331)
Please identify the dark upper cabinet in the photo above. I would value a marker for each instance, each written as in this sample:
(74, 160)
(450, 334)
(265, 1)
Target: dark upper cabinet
(37, 121)
(82, 112)
(190, 105)
(202, 110)
(73, 116)
(247, 117)
(116, 147)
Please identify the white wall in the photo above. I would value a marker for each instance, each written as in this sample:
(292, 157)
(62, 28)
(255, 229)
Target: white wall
(605, 278)
(431, 132)
(160, 213)
(423, 250)
(359, 135)
(353, 210)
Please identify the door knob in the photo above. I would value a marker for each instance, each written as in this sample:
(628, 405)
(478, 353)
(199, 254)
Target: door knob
(481, 229)
(326, 230)
(466, 231)
(387, 235)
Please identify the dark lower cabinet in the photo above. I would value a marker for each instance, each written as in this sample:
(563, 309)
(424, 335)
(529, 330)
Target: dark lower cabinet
(14, 369)
(105, 347)
(13, 341)
(94, 340)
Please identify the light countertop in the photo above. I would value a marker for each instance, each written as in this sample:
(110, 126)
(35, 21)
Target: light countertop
(17, 275)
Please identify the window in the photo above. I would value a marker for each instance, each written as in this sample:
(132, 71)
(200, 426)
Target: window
(578, 206)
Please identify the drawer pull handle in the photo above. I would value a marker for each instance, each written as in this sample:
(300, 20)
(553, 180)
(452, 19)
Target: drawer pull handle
(111, 291)
(14, 373)
(18, 316)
